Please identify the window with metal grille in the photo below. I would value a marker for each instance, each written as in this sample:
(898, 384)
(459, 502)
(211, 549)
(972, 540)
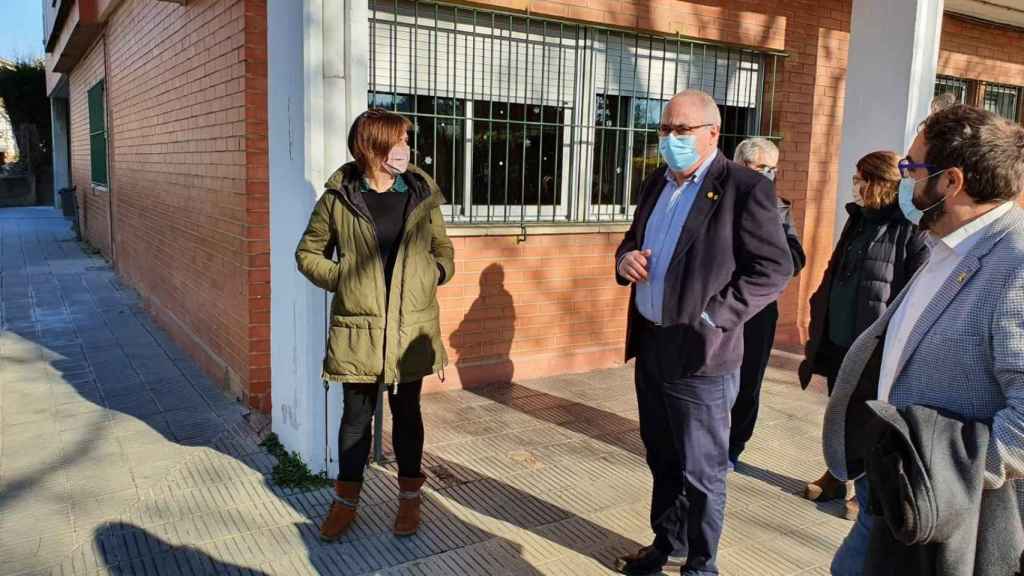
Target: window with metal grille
(955, 86)
(523, 119)
(1003, 100)
(98, 134)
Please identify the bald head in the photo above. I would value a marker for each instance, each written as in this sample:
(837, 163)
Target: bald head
(692, 113)
(700, 104)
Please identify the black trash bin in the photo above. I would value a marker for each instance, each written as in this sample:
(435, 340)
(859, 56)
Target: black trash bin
(66, 200)
(69, 205)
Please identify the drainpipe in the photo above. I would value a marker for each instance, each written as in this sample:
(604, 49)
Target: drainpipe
(110, 155)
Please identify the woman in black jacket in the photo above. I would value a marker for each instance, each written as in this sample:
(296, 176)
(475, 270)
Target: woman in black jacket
(877, 254)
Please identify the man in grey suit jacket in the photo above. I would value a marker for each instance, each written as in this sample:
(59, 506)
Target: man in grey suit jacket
(954, 338)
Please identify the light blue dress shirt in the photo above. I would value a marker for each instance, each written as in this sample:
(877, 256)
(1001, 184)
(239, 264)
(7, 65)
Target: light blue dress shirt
(661, 236)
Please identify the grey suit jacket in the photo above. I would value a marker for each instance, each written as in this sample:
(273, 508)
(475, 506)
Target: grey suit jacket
(965, 355)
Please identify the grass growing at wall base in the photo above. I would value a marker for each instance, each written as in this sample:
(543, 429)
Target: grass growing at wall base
(290, 471)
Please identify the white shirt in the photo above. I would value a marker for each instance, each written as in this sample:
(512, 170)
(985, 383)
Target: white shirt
(946, 254)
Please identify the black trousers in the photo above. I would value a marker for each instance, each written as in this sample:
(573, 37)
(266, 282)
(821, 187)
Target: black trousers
(758, 338)
(354, 436)
(684, 425)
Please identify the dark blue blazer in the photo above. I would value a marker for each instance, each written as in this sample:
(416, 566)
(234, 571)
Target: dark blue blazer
(732, 259)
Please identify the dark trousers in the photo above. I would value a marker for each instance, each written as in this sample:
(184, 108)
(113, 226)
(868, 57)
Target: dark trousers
(758, 338)
(354, 436)
(684, 425)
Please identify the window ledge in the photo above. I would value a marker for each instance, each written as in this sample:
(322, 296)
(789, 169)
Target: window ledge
(100, 187)
(474, 230)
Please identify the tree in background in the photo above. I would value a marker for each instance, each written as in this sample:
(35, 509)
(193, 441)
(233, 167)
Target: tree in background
(23, 96)
(23, 92)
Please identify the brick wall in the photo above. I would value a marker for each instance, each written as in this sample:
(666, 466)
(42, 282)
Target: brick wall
(189, 181)
(978, 51)
(257, 207)
(810, 90)
(94, 203)
(526, 309)
(538, 307)
(187, 124)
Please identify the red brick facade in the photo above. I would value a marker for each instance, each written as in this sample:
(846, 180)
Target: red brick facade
(977, 52)
(93, 202)
(257, 207)
(529, 308)
(981, 52)
(186, 89)
(574, 319)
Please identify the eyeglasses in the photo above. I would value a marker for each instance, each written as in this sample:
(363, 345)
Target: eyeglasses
(907, 165)
(680, 129)
(762, 168)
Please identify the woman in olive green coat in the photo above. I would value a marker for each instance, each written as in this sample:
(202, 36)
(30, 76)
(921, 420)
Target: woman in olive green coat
(377, 240)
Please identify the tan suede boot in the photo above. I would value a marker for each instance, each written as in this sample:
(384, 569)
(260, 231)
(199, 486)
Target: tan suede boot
(342, 512)
(826, 488)
(408, 519)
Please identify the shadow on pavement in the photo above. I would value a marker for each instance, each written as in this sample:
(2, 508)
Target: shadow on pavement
(122, 431)
(165, 558)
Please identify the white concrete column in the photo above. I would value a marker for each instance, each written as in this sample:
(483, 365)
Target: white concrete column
(60, 135)
(894, 49)
(314, 80)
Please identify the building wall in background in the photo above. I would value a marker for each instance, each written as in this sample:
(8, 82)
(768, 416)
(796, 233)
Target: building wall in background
(93, 201)
(186, 93)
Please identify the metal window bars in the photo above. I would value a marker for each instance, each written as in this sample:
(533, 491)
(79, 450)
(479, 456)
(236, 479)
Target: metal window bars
(522, 119)
(956, 86)
(1003, 100)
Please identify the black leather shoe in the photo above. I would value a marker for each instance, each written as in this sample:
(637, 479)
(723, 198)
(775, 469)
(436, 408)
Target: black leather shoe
(647, 560)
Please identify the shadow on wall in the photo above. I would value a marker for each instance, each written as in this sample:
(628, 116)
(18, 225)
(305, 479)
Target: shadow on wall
(483, 340)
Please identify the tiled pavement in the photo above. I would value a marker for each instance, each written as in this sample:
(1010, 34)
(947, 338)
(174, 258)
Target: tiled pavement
(118, 456)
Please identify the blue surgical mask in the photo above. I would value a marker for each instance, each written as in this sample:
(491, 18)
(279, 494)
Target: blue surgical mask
(906, 196)
(679, 152)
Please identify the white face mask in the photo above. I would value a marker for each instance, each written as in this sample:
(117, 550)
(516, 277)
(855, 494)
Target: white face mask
(397, 161)
(906, 197)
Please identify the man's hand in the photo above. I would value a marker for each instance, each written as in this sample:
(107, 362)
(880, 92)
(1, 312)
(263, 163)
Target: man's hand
(633, 265)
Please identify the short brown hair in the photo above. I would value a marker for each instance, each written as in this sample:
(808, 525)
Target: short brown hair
(989, 150)
(881, 174)
(373, 134)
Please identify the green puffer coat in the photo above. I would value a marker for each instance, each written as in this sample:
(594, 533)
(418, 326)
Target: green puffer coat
(374, 338)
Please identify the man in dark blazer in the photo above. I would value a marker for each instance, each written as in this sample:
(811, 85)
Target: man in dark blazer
(704, 254)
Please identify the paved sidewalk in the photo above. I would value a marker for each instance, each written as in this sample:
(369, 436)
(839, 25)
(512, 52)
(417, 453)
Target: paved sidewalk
(119, 456)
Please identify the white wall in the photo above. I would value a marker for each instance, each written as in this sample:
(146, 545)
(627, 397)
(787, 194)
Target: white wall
(894, 48)
(310, 105)
(61, 161)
